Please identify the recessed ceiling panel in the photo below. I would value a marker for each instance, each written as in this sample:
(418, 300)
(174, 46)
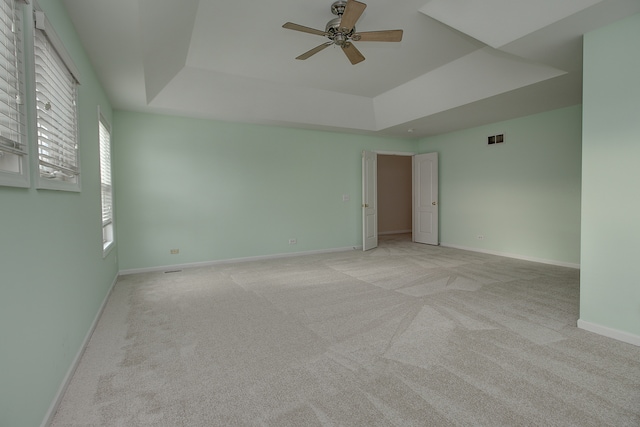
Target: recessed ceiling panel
(481, 74)
(498, 22)
(230, 97)
(232, 60)
(166, 31)
(232, 38)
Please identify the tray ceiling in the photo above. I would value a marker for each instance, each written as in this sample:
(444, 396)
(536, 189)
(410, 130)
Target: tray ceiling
(461, 63)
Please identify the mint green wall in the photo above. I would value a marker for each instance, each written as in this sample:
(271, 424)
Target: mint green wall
(52, 271)
(219, 191)
(523, 196)
(610, 285)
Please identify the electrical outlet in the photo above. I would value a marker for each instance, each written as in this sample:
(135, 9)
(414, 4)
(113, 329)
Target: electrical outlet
(293, 241)
(480, 236)
(174, 251)
(346, 197)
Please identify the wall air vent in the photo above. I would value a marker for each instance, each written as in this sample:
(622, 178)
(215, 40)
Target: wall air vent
(495, 139)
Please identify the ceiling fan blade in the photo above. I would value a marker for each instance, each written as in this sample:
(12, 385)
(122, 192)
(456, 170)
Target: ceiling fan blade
(379, 36)
(314, 50)
(352, 12)
(352, 53)
(296, 27)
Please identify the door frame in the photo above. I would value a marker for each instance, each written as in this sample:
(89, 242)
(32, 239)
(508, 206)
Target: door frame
(369, 200)
(386, 153)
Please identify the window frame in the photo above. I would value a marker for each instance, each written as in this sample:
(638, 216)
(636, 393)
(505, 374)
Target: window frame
(61, 56)
(21, 152)
(108, 225)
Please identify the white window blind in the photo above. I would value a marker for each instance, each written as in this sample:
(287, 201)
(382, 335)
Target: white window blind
(13, 146)
(106, 188)
(56, 115)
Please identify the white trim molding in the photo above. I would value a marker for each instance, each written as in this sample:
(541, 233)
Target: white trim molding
(516, 256)
(174, 267)
(609, 332)
(384, 233)
(43, 24)
(53, 408)
(394, 153)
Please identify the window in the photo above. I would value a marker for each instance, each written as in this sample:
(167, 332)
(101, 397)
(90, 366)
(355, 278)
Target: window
(56, 82)
(13, 141)
(106, 189)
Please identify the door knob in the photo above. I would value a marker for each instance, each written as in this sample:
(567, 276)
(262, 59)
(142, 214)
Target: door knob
(365, 206)
(433, 203)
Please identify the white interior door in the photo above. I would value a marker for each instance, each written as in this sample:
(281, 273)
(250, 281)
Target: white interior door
(425, 198)
(369, 200)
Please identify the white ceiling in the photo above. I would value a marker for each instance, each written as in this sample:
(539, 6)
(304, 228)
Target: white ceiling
(461, 63)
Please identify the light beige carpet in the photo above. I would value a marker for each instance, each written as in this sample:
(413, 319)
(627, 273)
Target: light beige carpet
(404, 335)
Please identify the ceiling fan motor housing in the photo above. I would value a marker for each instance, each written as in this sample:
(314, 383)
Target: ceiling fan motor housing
(338, 35)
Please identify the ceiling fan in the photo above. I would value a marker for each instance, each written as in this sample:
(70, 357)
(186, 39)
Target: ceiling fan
(341, 31)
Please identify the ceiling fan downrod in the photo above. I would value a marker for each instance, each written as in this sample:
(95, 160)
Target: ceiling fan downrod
(337, 8)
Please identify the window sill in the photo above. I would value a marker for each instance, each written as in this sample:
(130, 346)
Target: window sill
(107, 248)
(45, 184)
(8, 179)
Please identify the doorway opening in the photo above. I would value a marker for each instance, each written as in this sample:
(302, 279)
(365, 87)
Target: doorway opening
(399, 196)
(394, 195)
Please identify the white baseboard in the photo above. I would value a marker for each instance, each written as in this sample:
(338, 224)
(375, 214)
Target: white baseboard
(234, 260)
(76, 361)
(384, 233)
(323, 251)
(516, 256)
(609, 332)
